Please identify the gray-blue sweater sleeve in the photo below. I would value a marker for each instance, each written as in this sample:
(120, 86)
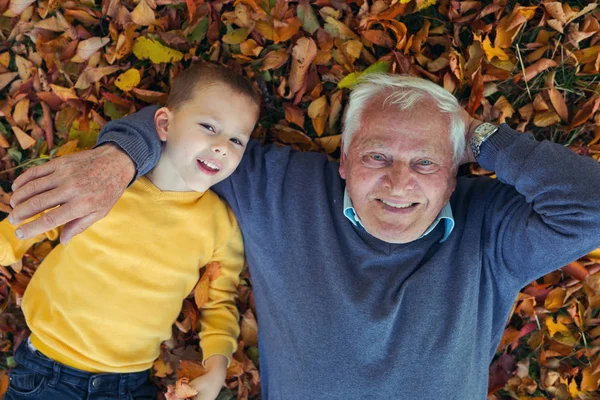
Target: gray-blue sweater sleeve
(547, 212)
(136, 135)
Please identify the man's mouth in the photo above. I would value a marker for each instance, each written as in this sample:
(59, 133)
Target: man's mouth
(390, 205)
(208, 166)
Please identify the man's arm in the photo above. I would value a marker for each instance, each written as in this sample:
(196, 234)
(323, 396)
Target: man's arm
(547, 213)
(87, 184)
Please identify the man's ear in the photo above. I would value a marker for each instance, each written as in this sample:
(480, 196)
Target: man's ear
(162, 117)
(342, 168)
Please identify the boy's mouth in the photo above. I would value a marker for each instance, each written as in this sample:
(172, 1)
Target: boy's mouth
(209, 167)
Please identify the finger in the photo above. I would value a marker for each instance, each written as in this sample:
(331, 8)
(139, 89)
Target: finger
(48, 221)
(34, 173)
(31, 188)
(77, 226)
(37, 204)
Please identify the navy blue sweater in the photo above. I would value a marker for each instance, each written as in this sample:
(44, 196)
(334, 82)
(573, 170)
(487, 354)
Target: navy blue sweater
(343, 315)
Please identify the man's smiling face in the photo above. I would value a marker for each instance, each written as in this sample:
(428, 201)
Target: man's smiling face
(398, 169)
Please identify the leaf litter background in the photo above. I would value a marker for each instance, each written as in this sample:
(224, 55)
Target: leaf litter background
(67, 67)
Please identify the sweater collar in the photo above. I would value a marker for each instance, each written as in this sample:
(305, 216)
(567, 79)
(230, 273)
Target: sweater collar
(445, 214)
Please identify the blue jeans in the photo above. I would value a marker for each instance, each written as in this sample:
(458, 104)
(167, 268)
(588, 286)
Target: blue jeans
(37, 377)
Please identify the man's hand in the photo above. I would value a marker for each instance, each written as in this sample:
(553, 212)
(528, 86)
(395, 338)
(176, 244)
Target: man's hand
(85, 185)
(209, 385)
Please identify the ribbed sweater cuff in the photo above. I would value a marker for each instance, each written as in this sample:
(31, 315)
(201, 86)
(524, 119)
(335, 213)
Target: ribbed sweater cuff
(491, 147)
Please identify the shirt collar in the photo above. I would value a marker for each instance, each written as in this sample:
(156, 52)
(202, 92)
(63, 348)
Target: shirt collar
(445, 214)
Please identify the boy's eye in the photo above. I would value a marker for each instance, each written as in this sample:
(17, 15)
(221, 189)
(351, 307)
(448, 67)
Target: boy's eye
(237, 141)
(209, 127)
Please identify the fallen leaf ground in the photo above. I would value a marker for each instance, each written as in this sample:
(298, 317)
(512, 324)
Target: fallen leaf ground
(67, 67)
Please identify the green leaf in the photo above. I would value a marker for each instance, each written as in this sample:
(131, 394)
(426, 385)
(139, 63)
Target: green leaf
(111, 110)
(87, 139)
(199, 31)
(15, 155)
(3, 129)
(352, 79)
(307, 15)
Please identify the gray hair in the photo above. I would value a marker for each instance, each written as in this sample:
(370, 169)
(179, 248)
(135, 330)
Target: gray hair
(406, 92)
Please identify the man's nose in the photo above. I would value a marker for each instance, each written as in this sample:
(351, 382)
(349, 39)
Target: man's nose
(399, 178)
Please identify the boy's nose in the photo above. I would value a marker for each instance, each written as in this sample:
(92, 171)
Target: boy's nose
(220, 149)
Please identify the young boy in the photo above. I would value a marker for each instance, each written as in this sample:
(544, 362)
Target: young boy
(99, 307)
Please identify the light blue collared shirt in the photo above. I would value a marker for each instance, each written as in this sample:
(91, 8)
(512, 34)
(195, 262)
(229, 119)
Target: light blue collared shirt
(445, 214)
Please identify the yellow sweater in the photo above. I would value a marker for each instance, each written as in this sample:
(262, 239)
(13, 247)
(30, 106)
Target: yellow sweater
(106, 300)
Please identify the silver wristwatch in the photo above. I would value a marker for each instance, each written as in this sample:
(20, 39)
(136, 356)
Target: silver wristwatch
(480, 135)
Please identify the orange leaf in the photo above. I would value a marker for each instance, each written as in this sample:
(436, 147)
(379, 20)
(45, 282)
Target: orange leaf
(64, 93)
(585, 112)
(590, 380)
(380, 38)
(275, 59)
(534, 69)
(576, 270)
(21, 112)
(318, 110)
(161, 369)
(558, 102)
(190, 369)
(201, 291)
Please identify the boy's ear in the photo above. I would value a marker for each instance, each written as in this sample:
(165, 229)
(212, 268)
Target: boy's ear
(162, 117)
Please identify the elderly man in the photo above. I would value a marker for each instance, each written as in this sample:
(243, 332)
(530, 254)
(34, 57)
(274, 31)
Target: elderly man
(395, 283)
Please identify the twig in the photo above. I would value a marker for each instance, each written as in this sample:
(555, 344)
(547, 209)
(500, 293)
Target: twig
(524, 75)
(25, 163)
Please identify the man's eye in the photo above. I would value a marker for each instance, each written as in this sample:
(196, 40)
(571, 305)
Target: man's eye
(209, 127)
(378, 157)
(425, 163)
(237, 141)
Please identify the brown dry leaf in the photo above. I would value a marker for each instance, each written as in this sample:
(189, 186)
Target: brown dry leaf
(274, 59)
(318, 111)
(201, 291)
(213, 270)
(559, 104)
(589, 108)
(3, 382)
(183, 390)
(590, 380)
(554, 300)
(7, 78)
(87, 48)
(249, 329)
(21, 112)
(93, 75)
(161, 369)
(64, 93)
(303, 54)
(294, 114)
(534, 69)
(16, 7)
(25, 141)
(143, 14)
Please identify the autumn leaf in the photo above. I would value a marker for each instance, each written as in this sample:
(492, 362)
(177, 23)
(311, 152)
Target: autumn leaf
(25, 141)
(128, 80)
(183, 389)
(303, 54)
(161, 369)
(153, 50)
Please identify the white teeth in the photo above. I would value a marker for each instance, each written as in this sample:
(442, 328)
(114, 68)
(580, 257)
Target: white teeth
(210, 165)
(397, 205)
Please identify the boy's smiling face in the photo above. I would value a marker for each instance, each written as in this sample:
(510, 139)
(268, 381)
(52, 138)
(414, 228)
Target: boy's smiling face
(205, 138)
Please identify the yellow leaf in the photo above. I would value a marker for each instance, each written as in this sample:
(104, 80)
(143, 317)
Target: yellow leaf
(5, 59)
(554, 300)
(590, 380)
(555, 327)
(64, 93)
(546, 118)
(24, 139)
(491, 51)
(329, 143)
(128, 80)
(318, 110)
(156, 52)
(236, 36)
(68, 148)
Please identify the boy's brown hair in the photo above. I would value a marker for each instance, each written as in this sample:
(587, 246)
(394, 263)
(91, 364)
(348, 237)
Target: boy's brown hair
(205, 73)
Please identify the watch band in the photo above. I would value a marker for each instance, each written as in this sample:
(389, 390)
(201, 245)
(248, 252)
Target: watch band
(480, 135)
